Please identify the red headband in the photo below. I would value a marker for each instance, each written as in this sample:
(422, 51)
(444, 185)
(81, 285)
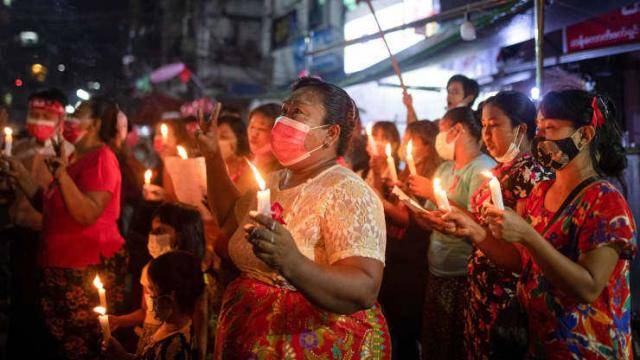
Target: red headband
(47, 105)
(598, 119)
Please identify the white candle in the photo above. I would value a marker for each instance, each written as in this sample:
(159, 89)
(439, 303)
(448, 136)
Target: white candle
(496, 191)
(182, 152)
(147, 176)
(104, 322)
(8, 140)
(264, 194)
(441, 196)
(391, 164)
(101, 292)
(410, 162)
(164, 131)
(372, 141)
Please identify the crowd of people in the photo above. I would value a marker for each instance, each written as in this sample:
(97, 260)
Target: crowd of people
(357, 256)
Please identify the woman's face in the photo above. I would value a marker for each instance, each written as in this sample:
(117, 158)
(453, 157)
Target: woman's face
(305, 106)
(228, 141)
(259, 132)
(554, 129)
(497, 131)
(86, 124)
(419, 149)
(455, 94)
(382, 139)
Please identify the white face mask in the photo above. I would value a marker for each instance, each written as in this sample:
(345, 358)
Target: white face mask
(158, 244)
(444, 149)
(513, 150)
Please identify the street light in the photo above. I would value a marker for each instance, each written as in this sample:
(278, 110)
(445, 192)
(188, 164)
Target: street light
(535, 93)
(83, 94)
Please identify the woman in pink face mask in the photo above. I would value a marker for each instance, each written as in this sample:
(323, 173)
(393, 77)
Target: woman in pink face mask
(80, 236)
(312, 270)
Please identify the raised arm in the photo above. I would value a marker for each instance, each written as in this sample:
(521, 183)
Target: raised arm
(222, 192)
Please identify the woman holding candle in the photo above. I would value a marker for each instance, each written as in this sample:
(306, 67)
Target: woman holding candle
(175, 288)
(80, 233)
(508, 125)
(383, 154)
(573, 257)
(403, 285)
(321, 267)
(459, 143)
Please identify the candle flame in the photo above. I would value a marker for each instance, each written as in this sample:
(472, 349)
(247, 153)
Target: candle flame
(370, 129)
(387, 150)
(164, 131)
(488, 174)
(436, 183)
(97, 283)
(8, 131)
(100, 310)
(147, 176)
(410, 148)
(182, 152)
(256, 173)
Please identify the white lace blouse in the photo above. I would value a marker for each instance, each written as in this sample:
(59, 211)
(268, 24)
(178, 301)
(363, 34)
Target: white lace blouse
(332, 216)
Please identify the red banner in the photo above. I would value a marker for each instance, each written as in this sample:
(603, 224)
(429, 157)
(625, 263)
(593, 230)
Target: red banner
(621, 26)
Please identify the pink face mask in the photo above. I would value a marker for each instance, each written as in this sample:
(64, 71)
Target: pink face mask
(71, 130)
(42, 130)
(288, 138)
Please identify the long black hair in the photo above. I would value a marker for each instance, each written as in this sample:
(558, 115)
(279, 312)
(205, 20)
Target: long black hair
(465, 116)
(607, 154)
(187, 222)
(178, 272)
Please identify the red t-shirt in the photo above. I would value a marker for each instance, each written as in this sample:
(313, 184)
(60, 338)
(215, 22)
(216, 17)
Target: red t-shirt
(68, 244)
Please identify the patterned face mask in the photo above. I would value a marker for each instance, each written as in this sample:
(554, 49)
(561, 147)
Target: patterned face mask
(556, 154)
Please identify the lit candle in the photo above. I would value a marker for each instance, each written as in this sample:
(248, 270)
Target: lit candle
(372, 141)
(8, 140)
(164, 131)
(147, 176)
(391, 164)
(496, 192)
(264, 195)
(104, 322)
(441, 196)
(101, 292)
(182, 152)
(410, 163)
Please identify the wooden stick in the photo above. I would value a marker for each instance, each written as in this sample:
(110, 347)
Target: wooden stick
(394, 61)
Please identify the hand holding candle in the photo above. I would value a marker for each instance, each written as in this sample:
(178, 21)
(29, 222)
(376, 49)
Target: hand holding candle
(104, 322)
(496, 191)
(391, 164)
(410, 162)
(8, 140)
(264, 194)
(101, 292)
(441, 196)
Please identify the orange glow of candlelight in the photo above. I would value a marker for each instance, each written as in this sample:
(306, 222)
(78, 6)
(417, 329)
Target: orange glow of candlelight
(147, 176)
(182, 152)
(100, 310)
(97, 282)
(259, 178)
(164, 131)
(387, 150)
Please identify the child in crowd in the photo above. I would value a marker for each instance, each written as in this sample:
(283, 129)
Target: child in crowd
(175, 287)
